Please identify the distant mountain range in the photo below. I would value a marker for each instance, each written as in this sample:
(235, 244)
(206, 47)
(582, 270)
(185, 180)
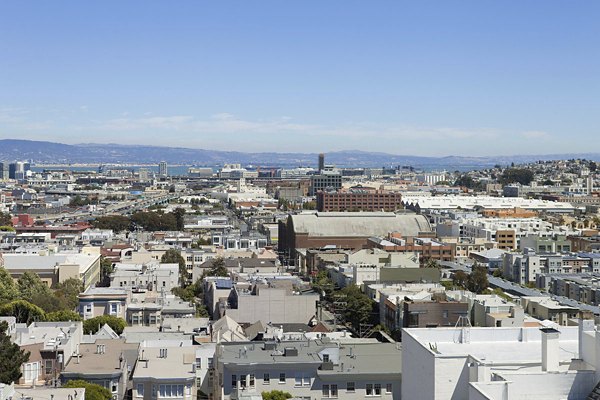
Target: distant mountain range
(59, 153)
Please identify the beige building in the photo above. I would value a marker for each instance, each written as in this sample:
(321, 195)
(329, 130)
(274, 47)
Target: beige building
(165, 372)
(97, 301)
(55, 268)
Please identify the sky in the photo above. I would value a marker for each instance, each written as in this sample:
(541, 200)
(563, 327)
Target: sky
(431, 78)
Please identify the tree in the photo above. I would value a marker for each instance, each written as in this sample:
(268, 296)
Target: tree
(460, 279)
(173, 256)
(523, 176)
(117, 223)
(478, 280)
(359, 307)
(30, 285)
(106, 268)
(431, 263)
(92, 391)
(23, 311)
(93, 324)
(11, 357)
(323, 284)
(217, 268)
(309, 205)
(5, 219)
(275, 395)
(8, 288)
(68, 292)
(465, 181)
(179, 214)
(64, 315)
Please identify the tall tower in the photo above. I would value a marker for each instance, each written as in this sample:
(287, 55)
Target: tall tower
(321, 162)
(162, 169)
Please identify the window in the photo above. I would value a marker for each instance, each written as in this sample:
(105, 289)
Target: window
(266, 379)
(88, 309)
(350, 387)
(298, 380)
(329, 391)
(377, 389)
(198, 362)
(170, 391)
(210, 362)
(388, 388)
(369, 389)
(243, 381)
(306, 381)
(114, 308)
(325, 357)
(140, 390)
(48, 366)
(252, 380)
(233, 381)
(282, 378)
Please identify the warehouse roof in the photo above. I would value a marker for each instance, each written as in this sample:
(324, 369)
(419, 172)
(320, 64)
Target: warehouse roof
(359, 223)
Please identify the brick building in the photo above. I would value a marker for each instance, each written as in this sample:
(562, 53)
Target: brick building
(359, 200)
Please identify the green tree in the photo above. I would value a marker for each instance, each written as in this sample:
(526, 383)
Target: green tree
(465, 181)
(30, 285)
(23, 311)
(217, 268)
(523, 176)
(106, 268)
(179, 214)
(92, 390)
(63, 315)
(93, 324)
(11, 357)
(431, 263)
(460, 279)
(8, 288)
(117, 223)
(323, 284)
(173, 256)
(68, 292)
(359, 307)
(275, 395)
(5, 219)
(478, 280)
(309, 205)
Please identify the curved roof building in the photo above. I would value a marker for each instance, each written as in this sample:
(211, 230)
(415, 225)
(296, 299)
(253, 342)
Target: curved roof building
(346, 229)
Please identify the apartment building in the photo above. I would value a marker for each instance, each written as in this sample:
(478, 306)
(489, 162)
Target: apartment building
(165, 372)
(359, 200)
(322, 368)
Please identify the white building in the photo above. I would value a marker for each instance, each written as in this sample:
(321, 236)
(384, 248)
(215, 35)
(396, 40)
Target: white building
(500, 363)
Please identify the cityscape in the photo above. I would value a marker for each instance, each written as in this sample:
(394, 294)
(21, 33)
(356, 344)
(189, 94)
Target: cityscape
(270, 201)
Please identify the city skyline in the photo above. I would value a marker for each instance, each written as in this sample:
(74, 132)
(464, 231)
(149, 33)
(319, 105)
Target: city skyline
(433, 80)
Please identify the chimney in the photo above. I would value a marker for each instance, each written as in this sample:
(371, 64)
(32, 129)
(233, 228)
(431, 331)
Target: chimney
(585, 325)
(549, 349)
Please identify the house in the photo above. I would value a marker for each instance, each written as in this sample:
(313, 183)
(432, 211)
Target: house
(308, 369)
(165, 372)
(106, 362)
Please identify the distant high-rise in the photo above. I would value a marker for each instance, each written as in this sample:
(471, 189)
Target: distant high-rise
(3, 171)
(321, 162)
(162, 169)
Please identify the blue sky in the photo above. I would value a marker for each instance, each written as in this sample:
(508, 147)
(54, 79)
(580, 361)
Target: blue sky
(420, 77)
